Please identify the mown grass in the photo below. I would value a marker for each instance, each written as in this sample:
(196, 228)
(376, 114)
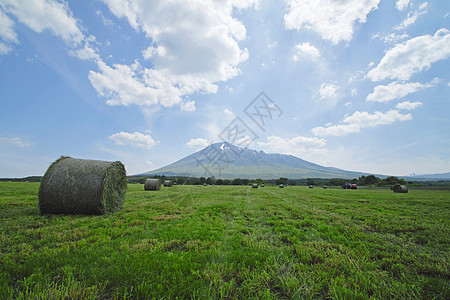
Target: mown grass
(229, 242)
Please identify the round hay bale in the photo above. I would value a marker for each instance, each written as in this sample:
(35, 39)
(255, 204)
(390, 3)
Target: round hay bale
(152, 185)
(281, 186)
(205, 184)
(311, 186)
(262, 184)
(325, 187)
(168, 183)
(255, 185)
(399, 188)
(81, 186)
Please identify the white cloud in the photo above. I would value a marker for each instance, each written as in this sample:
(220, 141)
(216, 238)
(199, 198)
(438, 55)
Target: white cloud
(328, 91)
(4, 49)
(198, 143)
(408, 105)
(7, 33)
(228, 112)
(391, 38)
(412, 17)
(87, 52)
(402, 4)
(395, 90)
(40, 15)
(361, 120)
(121, 85)
(306, 51)
(188, 106)
(194, 46)
(15, 141)
(412, 56)
(332, 19)
(135, 139)
(354, 92)
(295, 146)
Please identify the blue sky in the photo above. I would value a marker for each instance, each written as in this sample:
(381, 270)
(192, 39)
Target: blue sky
(360, 85)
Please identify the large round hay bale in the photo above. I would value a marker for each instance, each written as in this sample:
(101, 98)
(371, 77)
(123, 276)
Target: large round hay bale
(168, 183)
(81, 186)
(152, 185)
(399, 188)
(262, 184)
(255, 185)
(281, 186)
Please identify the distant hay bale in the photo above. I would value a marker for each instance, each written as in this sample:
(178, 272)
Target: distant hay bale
(205, 184)
(262, 184)
(399, 188)
(81, 186)
(325, 187)
(168, 183)
(255, 185)
(311, 186)
(281, 186)
(152, 185)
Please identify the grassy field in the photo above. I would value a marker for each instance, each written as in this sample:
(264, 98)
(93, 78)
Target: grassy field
(229, 242)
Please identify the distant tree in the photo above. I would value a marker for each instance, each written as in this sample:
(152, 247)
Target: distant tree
(210, 180)
(310, 181)
(219, 181)
(391, 180)
(282, 180)
(245, 181)
(368, 180)
(237, 181)
(202, 180)
(226, 182)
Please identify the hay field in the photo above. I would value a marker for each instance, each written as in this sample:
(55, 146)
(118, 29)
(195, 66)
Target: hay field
(229, 242)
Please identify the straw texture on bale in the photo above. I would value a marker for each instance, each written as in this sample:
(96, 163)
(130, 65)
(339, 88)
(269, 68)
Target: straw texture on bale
(255, 185)
(81, 186)
(400, 188)
(168, 183)
(152, 185)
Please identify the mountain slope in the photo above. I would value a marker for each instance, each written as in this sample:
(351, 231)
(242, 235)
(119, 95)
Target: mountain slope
(224, 160)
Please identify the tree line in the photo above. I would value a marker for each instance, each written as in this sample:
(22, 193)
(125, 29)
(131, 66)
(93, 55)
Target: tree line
(369, 180)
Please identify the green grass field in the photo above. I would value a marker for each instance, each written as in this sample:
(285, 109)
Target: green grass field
(229, 242)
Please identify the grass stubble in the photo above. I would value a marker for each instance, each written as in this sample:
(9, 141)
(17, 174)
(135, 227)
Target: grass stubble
(228, 242)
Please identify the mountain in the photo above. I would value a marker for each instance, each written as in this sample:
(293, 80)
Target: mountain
(226, 161)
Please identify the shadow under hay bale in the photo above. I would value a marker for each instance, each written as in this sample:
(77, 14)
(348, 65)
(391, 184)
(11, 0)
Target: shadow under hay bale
(399, 188)
(152, 185)
(81, 186)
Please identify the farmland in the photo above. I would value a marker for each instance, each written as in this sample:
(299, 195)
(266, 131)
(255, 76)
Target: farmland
(224, 242)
